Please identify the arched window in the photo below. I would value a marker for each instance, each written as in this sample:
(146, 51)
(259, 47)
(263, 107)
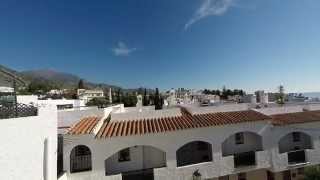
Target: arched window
(243, 146)
(295, 141)
(294, 144)
(80, 159)
(241, 142)
(135, 162)
(193, 153)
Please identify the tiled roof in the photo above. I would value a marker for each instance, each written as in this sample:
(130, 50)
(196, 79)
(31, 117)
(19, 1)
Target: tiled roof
(84, 126)
(185, 121)
(294, 118)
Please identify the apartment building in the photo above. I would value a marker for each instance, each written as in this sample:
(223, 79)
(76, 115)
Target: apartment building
(229, 142)
(87, 95)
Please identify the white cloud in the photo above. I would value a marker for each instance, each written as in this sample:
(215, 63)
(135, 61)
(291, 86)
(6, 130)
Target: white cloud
(122, 49)
(210, 8)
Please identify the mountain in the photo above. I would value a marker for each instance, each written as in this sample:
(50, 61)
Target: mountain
(61, 80)
(5, 76)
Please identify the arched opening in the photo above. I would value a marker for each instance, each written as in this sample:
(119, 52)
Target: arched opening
(80, 159)
(295, 144)
(193, 153)
(243, 146)
(135, 162)
(294, 141)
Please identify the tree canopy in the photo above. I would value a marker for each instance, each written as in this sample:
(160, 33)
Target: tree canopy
(312, 173)
(225, 92)
(281, 95)
(100, 102)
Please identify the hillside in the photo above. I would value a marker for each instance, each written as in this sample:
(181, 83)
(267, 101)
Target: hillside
(4, 78)
(61, 80)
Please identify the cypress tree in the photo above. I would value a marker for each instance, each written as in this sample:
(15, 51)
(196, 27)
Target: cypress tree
(81, 84)
(157, 100)
(145, 98)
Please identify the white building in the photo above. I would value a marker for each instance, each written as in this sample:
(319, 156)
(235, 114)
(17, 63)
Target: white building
(4, 89)
(28, 147)
(87, 95)
(249, 98)
(295, 97)
(215, 142)
(59, 103)
(262, 97)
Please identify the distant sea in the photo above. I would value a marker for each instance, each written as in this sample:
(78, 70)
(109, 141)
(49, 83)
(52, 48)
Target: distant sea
(312, 94)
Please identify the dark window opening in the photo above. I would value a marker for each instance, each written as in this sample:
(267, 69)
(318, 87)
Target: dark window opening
(296, 136)
(239, 138)
(194, 153)
(124, 155)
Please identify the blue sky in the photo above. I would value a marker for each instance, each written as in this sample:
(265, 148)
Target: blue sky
(249, 44)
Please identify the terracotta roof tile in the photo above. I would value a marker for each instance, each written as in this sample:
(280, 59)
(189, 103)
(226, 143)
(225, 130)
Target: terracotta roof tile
(295, 118)
(185, 121)
(84, 126)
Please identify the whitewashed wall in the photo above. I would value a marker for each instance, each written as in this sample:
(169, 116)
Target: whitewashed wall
(169, 142)
(29, 146)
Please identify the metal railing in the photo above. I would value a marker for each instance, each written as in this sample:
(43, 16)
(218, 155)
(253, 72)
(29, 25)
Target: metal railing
(80, 163)
(15, 110)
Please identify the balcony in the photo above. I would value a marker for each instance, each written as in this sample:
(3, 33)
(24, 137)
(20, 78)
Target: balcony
(245, 159)
(296, 157)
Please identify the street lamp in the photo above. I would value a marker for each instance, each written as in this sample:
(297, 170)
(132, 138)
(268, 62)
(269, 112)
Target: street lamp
(196, 175)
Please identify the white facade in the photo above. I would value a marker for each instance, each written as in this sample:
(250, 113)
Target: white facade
(6, 89)
(60, 103)
(262, 97)
(29, 146)
(261, 137)
(87, 95)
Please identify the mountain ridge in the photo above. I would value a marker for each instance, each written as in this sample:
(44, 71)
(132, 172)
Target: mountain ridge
(61, 79)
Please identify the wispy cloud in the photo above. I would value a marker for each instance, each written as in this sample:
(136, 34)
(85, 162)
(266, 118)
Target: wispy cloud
(210, 8)
(122, 49)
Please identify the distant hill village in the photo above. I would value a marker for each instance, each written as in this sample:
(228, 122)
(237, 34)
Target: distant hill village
(92, 133)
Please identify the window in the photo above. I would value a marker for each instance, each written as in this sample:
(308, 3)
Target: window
(296, 137)
(64, 106)
(242, 176)
(202, 146)
(80, 159)
(124, 155)
(239, 138)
